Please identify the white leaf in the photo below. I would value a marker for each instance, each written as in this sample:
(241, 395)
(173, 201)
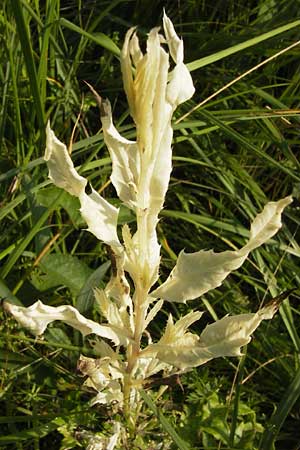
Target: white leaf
(60, 165)
(152, 313)
(113, 440)
(158, 184)
(118, 287)
(127, 70)
(175, 44)
(153, 94)
(141, 170)
(196, 273)
(125, 158)
(96, 442)
(147, 367)
(112, 394)
(225, 337)
(105, 376)
(38, 316)
(100, 215)
(267, 223)
(118, 318)
(102, 349)
(180, 87)
(175, 338)
(115, 302)
(101, 371)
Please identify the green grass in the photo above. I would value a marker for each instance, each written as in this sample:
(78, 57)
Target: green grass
(232, 154)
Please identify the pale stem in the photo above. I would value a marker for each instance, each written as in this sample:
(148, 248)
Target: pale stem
(142, 287)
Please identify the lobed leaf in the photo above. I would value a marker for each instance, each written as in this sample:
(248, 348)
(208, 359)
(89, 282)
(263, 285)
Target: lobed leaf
(225, 337)
(38, 316)
(99, 214)
(197, 273)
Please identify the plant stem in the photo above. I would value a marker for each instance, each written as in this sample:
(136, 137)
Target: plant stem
(142, 287)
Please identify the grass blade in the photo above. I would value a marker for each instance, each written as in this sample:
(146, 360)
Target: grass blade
(290, 397)
(99, 38)
(239, 47)
(29, 62)
(241, 140)
(27, 239)
(164, 422)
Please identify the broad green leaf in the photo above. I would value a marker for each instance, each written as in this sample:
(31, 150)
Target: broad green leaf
(85, 297)
(61, 270)
(31, 433)
(58, 336)
(70, 203)
(13, 360)
(5, 293)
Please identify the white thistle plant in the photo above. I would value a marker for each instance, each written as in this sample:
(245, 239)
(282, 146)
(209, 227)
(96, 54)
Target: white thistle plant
(140, 174)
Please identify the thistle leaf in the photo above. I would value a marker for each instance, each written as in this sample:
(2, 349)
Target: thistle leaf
(61, 169)
(38, 316)
(100, 215)
(141, 170)
(175, 44)
(267, 223)
(174, 338)
(197, 273)
(118, 318)
(225, 337)
(152, 313)
(125, 158)
(180, 87)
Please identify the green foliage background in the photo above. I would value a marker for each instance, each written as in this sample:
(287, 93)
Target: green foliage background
(231, 155)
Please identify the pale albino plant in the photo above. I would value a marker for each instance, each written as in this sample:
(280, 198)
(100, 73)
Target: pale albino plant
(140, 174)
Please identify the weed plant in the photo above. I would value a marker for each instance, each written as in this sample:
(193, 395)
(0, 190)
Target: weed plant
(232, 152)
